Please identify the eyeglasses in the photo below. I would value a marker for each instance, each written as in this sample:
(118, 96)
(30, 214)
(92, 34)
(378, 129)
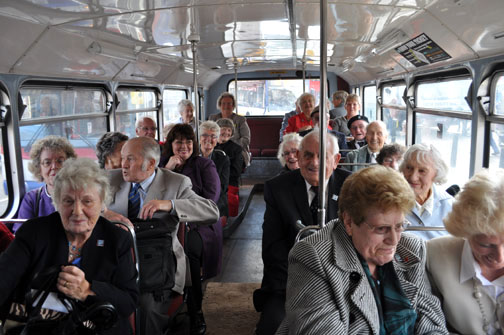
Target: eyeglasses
(188, 142)
(148, 128)
(49, 162)
(287, 153)
(212, 136)
(385, 230)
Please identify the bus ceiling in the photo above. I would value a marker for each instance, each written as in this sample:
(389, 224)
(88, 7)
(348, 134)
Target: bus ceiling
(142, 42)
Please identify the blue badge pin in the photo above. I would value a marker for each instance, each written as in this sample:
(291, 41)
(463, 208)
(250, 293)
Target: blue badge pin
(100, 243)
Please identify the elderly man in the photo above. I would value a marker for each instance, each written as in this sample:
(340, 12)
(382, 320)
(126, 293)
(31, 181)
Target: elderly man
(145, 126)
(290, 198)
(338, 100)
(142, 191)
(376, 136)
(357, 126)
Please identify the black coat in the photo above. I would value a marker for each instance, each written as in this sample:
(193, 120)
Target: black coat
(287, 202)
(234, 152)
(222, 164)
(106, 261)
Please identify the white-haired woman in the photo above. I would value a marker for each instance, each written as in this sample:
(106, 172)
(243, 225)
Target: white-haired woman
(287, 152)
(467, 269)
(92, 254)
(302, 121)
(423, 167)
(186, 110)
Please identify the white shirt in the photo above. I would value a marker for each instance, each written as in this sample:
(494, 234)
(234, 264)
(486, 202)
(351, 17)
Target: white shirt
(372, 156)
(428, 205)
(311, 194)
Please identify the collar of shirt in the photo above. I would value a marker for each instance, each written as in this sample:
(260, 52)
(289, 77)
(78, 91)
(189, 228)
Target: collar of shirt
(428, 205)
(46, 193)
(470, 269)
(145, 184)
(311, 194)
(372, 155)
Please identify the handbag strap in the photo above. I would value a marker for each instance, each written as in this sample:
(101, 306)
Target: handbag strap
(49, 277)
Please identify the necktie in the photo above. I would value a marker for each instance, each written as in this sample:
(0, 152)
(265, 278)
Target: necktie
(314, 205)
(133, 201)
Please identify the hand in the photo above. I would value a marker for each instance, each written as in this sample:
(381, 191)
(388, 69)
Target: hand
(174, 162)
(72, 283)
(116, 217)
(153, 206)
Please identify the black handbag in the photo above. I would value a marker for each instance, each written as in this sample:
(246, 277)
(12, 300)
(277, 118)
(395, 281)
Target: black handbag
(81, 319)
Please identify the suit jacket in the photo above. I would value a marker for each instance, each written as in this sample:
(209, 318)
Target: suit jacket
(286, 203)
(188, 206)
(360, 155)
(442, 206)
(222, 164)
(328, 291)
(41, 243)
(461, 309)
(241, 135)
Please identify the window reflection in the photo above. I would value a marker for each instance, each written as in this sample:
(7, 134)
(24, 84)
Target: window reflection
(370, 102)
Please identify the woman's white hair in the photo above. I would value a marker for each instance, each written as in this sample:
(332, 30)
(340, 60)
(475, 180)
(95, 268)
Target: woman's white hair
(211, 126)
(288, 138)
(183, 104)
(423, 153)
(80, 174)
(479, 207)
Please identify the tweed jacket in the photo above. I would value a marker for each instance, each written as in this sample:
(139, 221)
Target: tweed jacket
(442, 206)
(360, 155)
(463, 315)
(189, 207)
(328, 291)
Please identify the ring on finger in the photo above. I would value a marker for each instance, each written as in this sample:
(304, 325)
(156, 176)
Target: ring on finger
(65, 284)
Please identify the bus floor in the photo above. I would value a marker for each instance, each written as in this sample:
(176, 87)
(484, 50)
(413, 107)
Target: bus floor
(227, 302)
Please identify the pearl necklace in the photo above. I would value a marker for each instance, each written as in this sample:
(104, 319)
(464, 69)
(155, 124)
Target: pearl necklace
(486, 323)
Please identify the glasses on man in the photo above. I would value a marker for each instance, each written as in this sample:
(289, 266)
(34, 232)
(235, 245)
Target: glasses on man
(290, 152)
(148, 128)
(384, 230)
(212, 136)
(49, 162)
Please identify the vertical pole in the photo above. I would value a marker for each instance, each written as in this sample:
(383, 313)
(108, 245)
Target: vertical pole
(236, 85)
(194, 39)
(322, 114)
(304, 76)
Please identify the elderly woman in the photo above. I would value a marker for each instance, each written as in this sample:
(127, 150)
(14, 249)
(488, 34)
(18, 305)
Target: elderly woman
(209, 133)
(47, 156)
(467, 269)
(287, 152)
(108, 150)
(352, 106)
(423, 167)
(391, 155)
(186, 110)
(226, 103)
(94, 255)
(361, 275)
(302, 121)
(203, 243)
(233, 151)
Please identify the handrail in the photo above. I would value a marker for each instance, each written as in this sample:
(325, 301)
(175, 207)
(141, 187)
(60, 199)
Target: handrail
(356, 164)
(424, 228)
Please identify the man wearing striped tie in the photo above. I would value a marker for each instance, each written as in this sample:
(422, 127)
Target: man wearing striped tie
(141, 190)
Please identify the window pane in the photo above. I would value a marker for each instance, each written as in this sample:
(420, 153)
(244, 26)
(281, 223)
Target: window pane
(499, 96)
(171, 99)
(4, 196)
(44, 103)
(445, 95)
(395, 119)
(370, 103)
(83, 134)
(126, 122)
(392, 95)
(134, 99)
(452, 137)
(496, 146)
(271, 97)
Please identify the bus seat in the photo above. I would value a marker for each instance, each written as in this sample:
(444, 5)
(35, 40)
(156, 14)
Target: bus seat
(264, 136)
(29, 185)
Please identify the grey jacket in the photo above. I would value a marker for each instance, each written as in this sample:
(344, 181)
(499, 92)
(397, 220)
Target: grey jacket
(328, 291)
(360, 155)
(189, 207)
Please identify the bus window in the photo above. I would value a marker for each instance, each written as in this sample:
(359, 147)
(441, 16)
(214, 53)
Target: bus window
(133, 104)
(78, 114)
(4, 195)
(171, 99)
(271, 97)
(370, 103)
(451, 135)
(394, 113)
(497, 129)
